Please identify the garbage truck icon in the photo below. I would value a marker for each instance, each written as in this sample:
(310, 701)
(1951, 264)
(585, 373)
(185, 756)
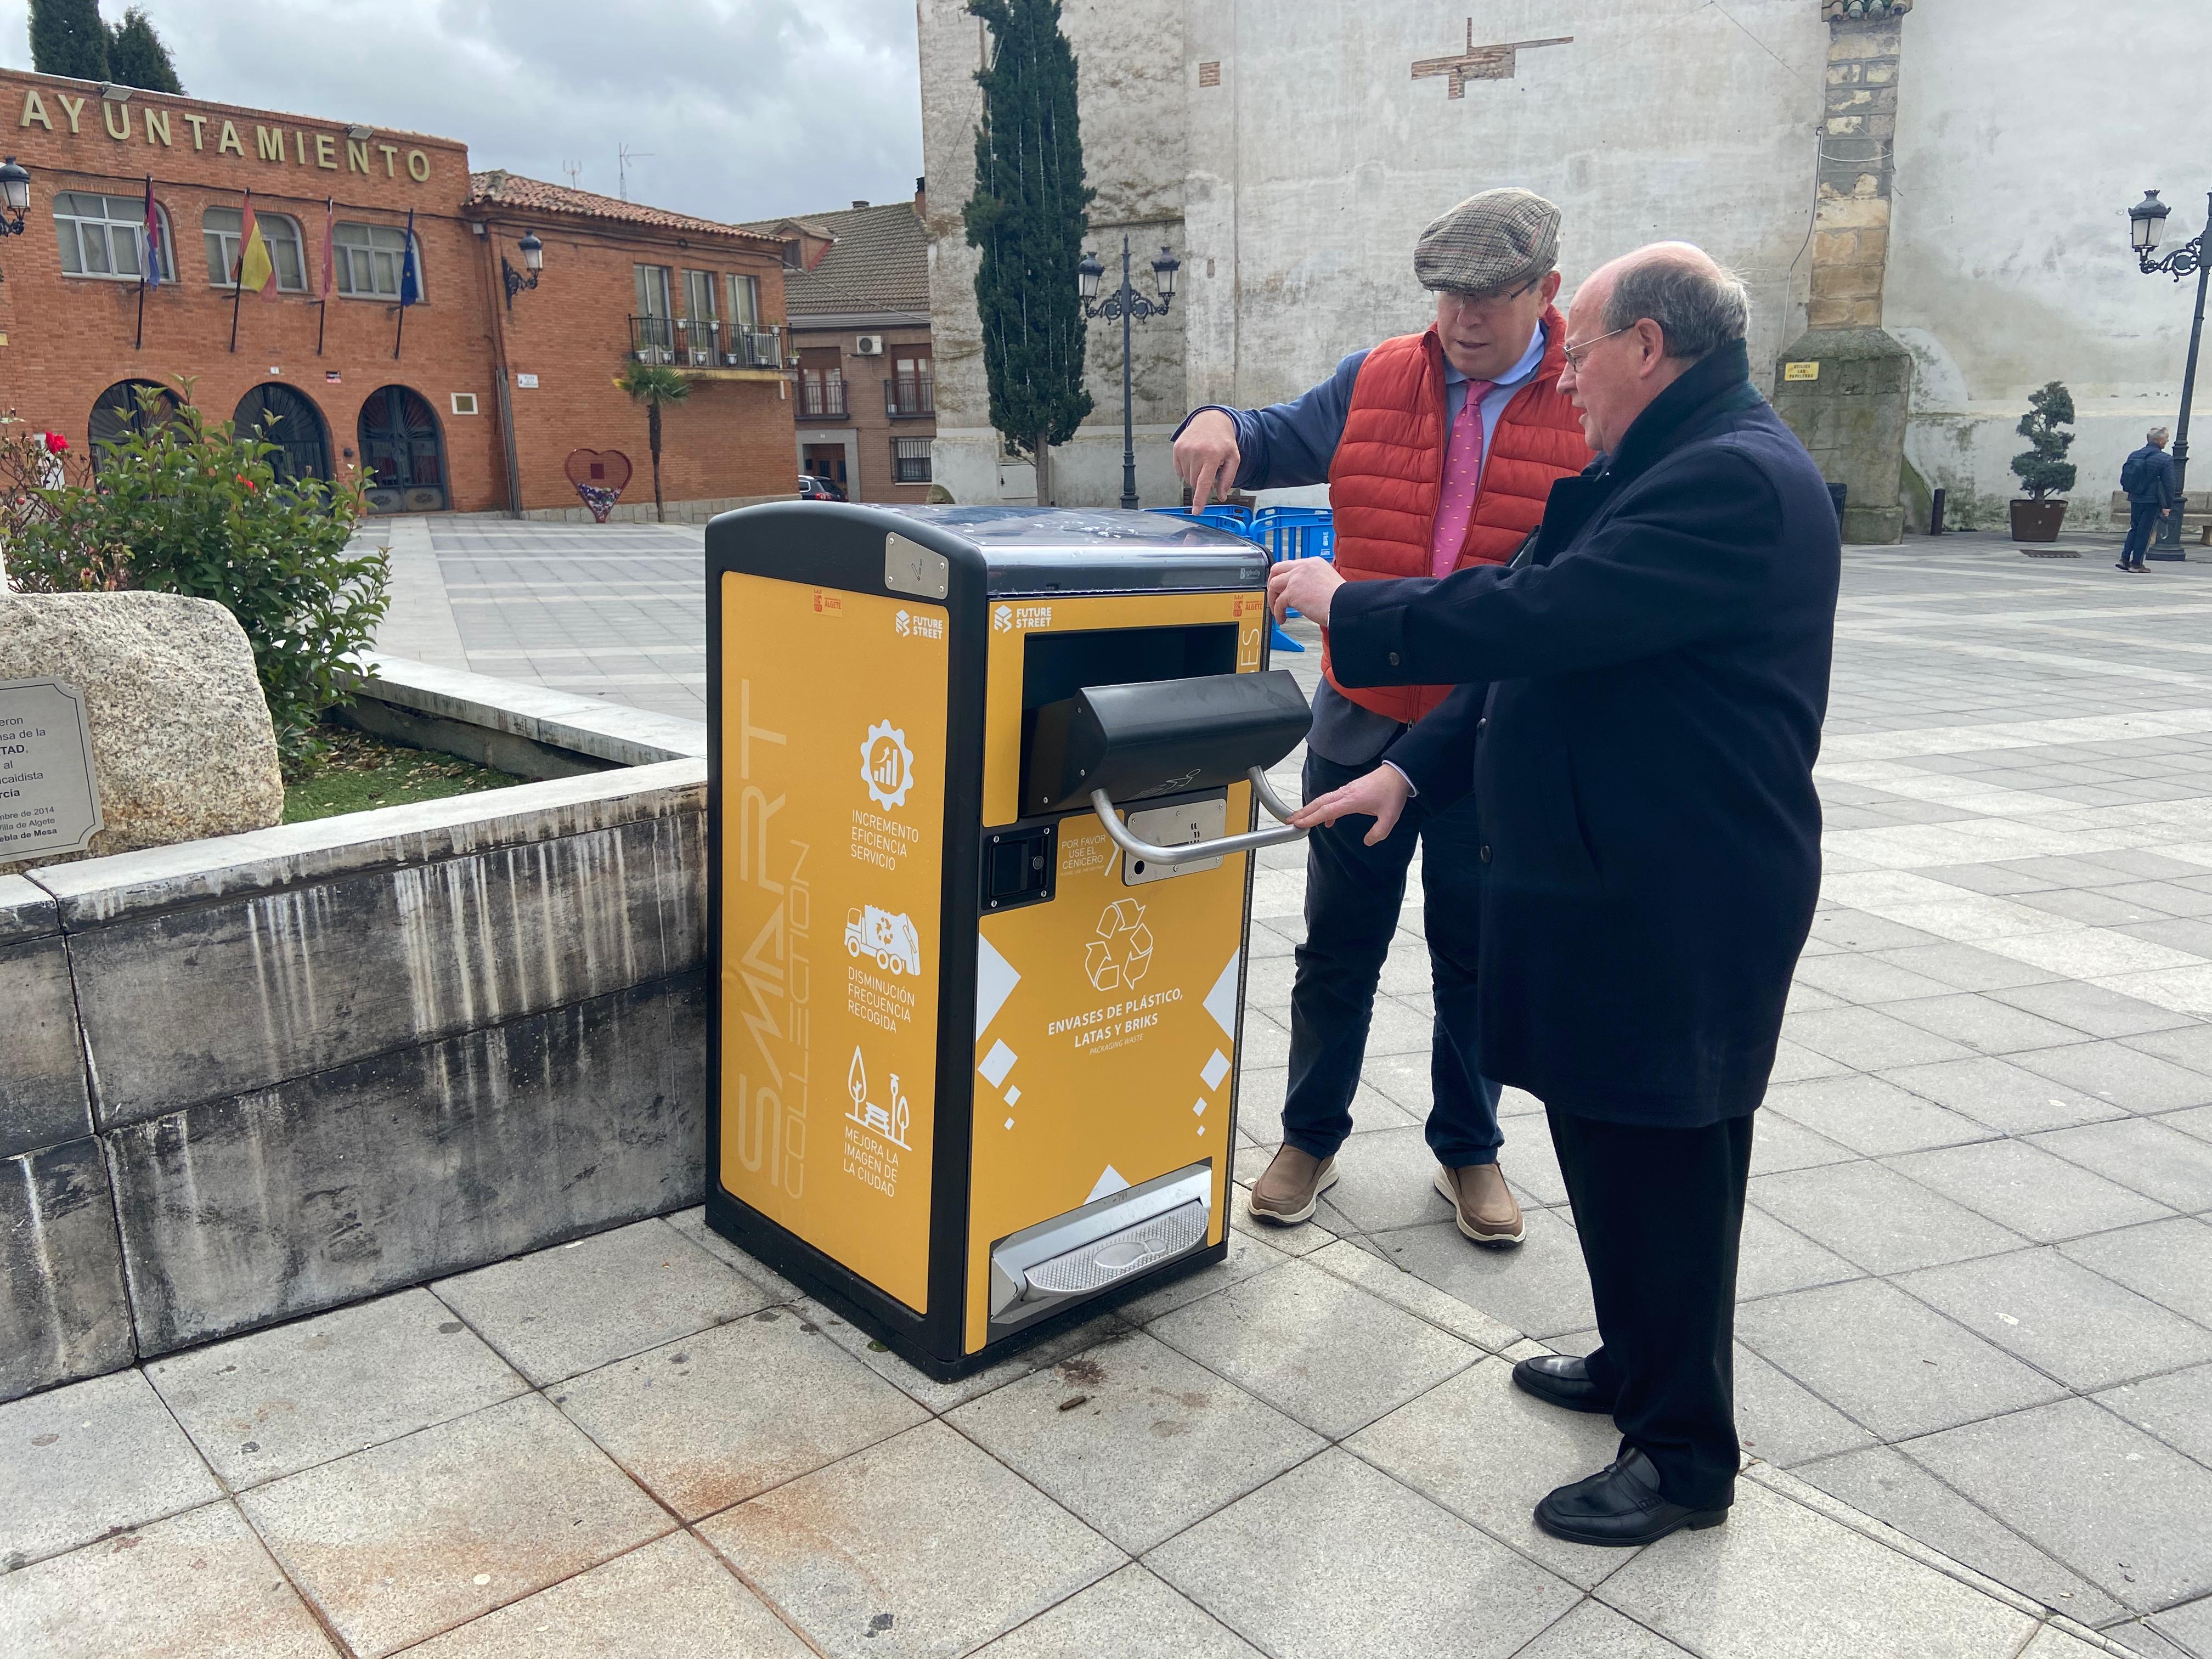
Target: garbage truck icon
(889, 939)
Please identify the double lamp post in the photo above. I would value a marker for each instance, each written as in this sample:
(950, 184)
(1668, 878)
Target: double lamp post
(1127, 304)
(2146, 223)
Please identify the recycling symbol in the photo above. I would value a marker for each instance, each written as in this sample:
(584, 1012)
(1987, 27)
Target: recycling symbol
(1122, 952)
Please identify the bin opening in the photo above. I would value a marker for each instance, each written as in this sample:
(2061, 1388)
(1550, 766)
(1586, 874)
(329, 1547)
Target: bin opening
(1056, 666)
(1149, 740)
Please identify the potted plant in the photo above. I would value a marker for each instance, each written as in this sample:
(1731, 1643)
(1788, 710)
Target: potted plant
(2044, 468)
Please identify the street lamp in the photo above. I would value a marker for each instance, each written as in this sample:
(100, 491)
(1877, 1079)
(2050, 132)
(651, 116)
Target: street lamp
(1127, 304)
(2146, 224)
(533, 257)
(16, 192)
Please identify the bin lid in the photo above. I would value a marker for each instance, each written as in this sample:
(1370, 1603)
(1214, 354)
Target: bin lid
(1030, 549)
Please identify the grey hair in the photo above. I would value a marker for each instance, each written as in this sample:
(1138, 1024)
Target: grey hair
(1699, 307)
(2157, 434)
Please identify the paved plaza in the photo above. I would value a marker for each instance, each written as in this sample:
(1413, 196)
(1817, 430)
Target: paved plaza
(1975, 1367)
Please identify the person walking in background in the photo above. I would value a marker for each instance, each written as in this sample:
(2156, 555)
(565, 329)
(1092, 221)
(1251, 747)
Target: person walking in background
(1439, 448)
(2147, 478)
(1644, 757)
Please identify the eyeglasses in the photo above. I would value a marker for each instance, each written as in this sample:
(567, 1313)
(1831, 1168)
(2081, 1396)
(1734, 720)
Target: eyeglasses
(1485, 304)
(1578, 354)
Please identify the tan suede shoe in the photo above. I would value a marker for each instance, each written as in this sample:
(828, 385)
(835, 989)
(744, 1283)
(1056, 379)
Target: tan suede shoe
(1484, 1208)
(1291, 1187)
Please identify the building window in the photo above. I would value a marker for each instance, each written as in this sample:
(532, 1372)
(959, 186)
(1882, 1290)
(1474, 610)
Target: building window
(821, 384)
(910, 461)
(220, 229)
(911, 392)
(369, 260)
(745, 301)
(100, 235)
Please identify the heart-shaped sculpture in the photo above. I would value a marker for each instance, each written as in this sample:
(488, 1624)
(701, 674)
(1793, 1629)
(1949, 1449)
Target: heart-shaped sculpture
(599, 469)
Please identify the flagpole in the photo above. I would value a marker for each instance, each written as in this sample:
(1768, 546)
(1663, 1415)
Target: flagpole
(238, 277)
(150, 252)
(323, 286)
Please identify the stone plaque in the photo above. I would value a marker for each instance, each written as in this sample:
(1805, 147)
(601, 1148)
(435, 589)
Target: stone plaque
(1801, 371)
(49, 802)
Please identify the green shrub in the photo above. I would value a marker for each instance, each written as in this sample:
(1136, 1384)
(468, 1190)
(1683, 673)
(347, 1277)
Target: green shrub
(2045, 468)
(185, 506)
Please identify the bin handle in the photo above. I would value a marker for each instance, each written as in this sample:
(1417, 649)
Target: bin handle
(1250, 841)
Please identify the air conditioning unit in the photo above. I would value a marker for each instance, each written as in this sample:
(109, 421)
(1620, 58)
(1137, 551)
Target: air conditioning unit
(869, 345)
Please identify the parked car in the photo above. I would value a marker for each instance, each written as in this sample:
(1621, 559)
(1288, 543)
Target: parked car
(811, 488)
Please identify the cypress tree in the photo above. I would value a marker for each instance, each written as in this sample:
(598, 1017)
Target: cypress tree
(1029, 216)
(68, 38)
(136, 57)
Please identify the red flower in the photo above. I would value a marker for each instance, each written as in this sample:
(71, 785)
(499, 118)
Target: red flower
(243, 479)
(55, 444)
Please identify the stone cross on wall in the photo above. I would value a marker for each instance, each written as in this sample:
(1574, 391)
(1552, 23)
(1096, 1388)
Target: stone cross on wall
(1478, 63)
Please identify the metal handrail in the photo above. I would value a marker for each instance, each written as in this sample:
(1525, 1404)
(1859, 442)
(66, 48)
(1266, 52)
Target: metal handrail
(1249, 841)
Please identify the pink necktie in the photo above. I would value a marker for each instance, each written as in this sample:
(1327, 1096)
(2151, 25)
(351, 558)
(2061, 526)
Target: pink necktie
(1462, 477)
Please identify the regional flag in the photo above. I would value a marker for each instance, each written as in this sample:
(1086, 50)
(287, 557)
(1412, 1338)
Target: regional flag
(256, 269)
(149, 275)
(410, 284)
(329, 250)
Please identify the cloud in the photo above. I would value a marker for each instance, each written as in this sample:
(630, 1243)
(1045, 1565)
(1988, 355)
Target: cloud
(734, 109)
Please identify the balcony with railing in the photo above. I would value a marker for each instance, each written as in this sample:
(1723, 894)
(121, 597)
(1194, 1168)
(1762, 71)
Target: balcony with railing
(821, 399)
(910, 397)
(706, 342)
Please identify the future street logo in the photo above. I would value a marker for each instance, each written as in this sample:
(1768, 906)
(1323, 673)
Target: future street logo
(1002, 619)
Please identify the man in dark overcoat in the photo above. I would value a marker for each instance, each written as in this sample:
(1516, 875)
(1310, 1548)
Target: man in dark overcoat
(1638, 713)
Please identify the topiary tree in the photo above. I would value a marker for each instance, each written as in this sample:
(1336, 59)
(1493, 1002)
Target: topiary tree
(68, 38)
(1029, 216)
(136, 57)
(2045, 468)
(653, 385)
(187, 507)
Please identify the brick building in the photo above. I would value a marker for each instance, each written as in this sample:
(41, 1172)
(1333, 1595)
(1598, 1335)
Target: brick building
(858, 298)
(468, 401)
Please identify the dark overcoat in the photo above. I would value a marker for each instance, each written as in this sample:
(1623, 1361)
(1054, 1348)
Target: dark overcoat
(1643, 754)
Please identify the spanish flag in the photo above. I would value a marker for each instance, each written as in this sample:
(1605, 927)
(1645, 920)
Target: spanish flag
(256, 269)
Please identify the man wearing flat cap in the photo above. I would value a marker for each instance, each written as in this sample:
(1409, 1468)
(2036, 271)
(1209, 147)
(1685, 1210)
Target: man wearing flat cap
(1439, 449)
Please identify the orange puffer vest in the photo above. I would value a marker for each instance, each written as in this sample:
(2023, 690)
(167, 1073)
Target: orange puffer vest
(1388, 475)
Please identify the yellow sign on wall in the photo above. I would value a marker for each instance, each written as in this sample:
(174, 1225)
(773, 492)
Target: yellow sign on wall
(833, 767)
(1801, 371)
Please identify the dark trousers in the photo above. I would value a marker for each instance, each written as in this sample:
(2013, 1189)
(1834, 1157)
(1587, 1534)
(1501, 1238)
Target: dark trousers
(2142, 527)
(1352, 896)
(1660, 1212)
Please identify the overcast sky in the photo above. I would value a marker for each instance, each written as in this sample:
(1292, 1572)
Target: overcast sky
(735, 109)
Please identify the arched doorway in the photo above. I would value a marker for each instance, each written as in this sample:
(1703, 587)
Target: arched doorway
(288, 419)
(402, 455)
(115, 414)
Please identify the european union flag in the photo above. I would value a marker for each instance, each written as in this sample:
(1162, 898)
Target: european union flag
(410, 286)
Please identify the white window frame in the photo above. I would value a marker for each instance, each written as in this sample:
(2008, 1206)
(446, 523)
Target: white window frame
(123, 213)
(370, 253)
(910, 449)
(277, 229)
(745, 301)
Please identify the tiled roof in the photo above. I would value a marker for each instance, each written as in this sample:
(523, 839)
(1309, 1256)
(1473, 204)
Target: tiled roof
(880, 262)
(511, 190)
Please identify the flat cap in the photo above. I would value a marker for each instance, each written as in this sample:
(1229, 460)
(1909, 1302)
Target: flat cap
(1500, 240)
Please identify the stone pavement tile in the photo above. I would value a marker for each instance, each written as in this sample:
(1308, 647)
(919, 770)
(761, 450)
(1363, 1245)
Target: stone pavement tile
(1966, 967)
(2121, 1074)
(1859, 979)
(2189, 1626)
(1309, 1344)
(2129, 1513)
(2142, 1637)
(1803, 999)
(922, 1546)
(2020, 1186)
(278, 1400)
(2191, 1120)
(1883, 1482)
(1774, 1258)
(89, 1459)
(1134, 1439)
(1380, 1276)
(1983, 1023)
(2094, 906)
(2176, 1407)
(1486, 1451)
(556, 1312)
(1845, 929)
(1130, 1615)
(1782, 1421)
(692, 1223)
(2193, 934)
(2158, 1162)
(2092, 953)
(1336, 1558)
(1869, 1214)
(1780, 1578)
(415, 1536)
(936, 1397)
(712, 1419)
(1531, 1162)
(2092, 1008)
(1403, 1080)
(2168, 1261)
(1265, 1043)
(1595, 1631)
(1885, 1360)
(1541, 1288)
(2060, 1317)
(2001, 1095)
(1385, 1180)
(670, 1600)
(1794, 1063)
(199, 1583)
(1869, 1115)
(1247, 1255)
(1868, 1039)
(1779, 1143)
(2189, 1045)
(1398, 1027)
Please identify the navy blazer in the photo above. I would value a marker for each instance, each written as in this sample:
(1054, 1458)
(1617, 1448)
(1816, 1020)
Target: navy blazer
(1643, 756)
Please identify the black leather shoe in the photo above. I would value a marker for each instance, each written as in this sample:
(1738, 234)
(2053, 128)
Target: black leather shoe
(1559, 1379)
(1619, 1506)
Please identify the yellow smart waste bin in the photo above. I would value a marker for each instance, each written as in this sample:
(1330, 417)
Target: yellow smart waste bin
(984, 782)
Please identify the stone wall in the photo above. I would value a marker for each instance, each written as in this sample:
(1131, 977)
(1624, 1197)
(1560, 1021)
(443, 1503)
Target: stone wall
(256, 1076)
